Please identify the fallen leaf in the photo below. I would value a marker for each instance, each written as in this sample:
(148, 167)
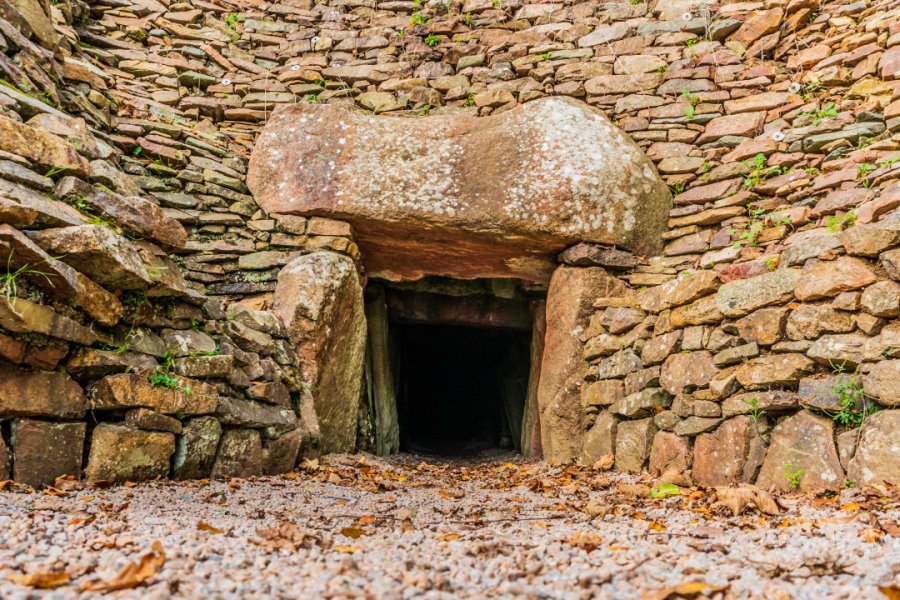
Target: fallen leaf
(891, 591)
(604, 463)
(691, 589)
(204, 526)
(346, 549)
(737, 498)
(596, 508)
(352, 532)
(133, 574)
(367, 520)
(449, 537)
(587, 541)
(634, 490)
(656, 526)
(871, 534)
(41, 581)
(665, 490)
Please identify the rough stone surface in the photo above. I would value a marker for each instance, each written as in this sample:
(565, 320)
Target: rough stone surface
(319, 298)
(600, 439)
(877, 457)
(633, 440)
(883, 382)
(569, 303)
(33, 393)
(803, 446)
(730, 454)
(462, 197)
(44, 450)
(670, 454)
(120, 454)
(240, 454)
(134, 390)
(687, 369)
(195, 448)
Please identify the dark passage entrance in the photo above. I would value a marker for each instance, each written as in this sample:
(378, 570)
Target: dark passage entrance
(460, 390)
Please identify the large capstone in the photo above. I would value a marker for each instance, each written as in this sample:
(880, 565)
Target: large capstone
(462, 196)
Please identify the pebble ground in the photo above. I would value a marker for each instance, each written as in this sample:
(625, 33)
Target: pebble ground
(358, 526)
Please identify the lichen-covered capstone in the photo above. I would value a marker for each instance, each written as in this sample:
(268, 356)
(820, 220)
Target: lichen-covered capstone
(462, 196)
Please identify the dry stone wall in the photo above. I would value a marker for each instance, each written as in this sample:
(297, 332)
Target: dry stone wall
(747, 351)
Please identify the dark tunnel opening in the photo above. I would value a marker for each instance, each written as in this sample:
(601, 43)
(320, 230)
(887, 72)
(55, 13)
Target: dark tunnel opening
(460, 390)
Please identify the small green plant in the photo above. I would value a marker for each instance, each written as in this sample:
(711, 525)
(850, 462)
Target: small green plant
(425, 110)
(758, 220)
(756, 415)
(839, 222)
(432, 40)
(663, 69)
(819, 114)
(137, 151)
(232, 19)
(418, 18)
(468, 19)
(53, 171)
(162, 376)
(759, 171)
(470, 100)
(8, 280)
(864, 169)
(888, 162)
(693, 100)
(311, 98)
(678, 187)
(793, 475)
(772, 263)
(692, 43)
(155, 271)
(545, 56)
(853, 407)
(635, 2)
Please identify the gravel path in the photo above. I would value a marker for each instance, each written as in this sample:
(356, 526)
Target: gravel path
(358, 526)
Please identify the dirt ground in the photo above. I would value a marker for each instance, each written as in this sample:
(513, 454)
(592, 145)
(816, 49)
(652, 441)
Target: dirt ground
(409, 527)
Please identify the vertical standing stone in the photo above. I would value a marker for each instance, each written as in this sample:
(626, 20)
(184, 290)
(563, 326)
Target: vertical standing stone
(569, 305)
(120, 454)
(240, 454)
(670, 453)
(42, 450)
(195, 448)
(4, 460)
(280, 455)
(730, 454)
(633, 439)
(531, 419)
(319, 298)
(802, 451)
(600, 439)
(387, 427)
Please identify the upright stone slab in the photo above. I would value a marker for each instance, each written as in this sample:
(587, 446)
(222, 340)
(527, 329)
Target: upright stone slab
(569, 305)
(195, 448)
(877, 457)
(240, 454)
(462, 196)
(802, 451)
(730, 454)
(44, 450)
(120, 454)
(319, 298)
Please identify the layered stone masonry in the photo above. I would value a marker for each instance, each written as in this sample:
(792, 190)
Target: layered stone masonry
(746, 352)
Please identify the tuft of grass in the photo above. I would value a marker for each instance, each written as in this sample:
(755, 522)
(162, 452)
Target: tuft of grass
(9, 286)
(793, 475)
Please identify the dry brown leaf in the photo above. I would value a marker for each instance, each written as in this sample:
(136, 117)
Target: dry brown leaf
(692, 589)
(367, 520)
(204, 526)
(634, 490)
(587, 541)
(449, 537)
(133, 574)
(676, 477)
(352, 532)
(596, 508)
(41, 581)
(737, 498)
(890, 591)
(605, 462)
(346, 549)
